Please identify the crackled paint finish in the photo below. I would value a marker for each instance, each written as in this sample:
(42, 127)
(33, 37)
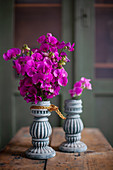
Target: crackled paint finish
(40, 131)
(73, 126)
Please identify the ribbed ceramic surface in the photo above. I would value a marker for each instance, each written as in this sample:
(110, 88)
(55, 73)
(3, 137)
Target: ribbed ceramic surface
(40, 130)
(73, 138)
(73, 106)
(42, 150)
(73, 126)
(40, 142)
(42, 103)
(41, 112)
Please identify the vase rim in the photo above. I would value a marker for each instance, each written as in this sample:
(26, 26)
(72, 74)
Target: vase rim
(42, 103)
(73, 100)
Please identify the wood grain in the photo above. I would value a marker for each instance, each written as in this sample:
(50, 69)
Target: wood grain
(92, 137)
(98, 156)
(89, 161)
(13, 156)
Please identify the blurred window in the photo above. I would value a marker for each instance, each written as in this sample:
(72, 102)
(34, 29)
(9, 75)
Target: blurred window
(104, 39)
(34, 18)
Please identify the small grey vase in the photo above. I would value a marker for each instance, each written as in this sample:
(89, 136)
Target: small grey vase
(40, 131)
(73, 126)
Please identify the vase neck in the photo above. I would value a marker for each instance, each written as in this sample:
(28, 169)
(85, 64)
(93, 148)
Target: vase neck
(73, 101)
(73, 106)
(42, 103)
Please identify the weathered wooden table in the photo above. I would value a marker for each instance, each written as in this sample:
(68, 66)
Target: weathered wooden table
(98, 156)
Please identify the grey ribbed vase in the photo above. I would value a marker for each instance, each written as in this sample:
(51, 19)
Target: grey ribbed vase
(73, 126)
(40, 131)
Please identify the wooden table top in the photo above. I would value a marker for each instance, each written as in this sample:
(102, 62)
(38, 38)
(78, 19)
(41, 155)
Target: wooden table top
(98, 156)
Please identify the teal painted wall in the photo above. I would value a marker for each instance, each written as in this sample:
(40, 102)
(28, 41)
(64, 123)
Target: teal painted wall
(6, 42)
(74, 28)
(84, 33)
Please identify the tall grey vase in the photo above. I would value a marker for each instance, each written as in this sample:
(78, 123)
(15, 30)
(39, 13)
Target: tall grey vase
(73, 126)
(40, 131)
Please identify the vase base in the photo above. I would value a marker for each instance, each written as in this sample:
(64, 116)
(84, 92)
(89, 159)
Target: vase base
(40, 153)
(73, 147)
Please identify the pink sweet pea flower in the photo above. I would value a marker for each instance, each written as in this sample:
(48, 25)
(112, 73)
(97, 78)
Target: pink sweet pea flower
(56, 55)
(72, 92)
(44, 67)
(32, 90)
(88, 86)
(48, 62)
(23, 90)
(49, 34)
(41, 39)
(30, 63)
(37, 57)
(79, 86)
(30, 71)
(61, 45)
(39, 77)
(45, 86)
(63, 54)
(48, 78)
(63, 81)
(56, 90)
(49, 95)
(7, 56)
(52, 40)
(17, 66)
(29, 98)
(70, 47)
(12, 53)
(33, 98)
(28, 81)
(60, 73)
(41, 68)
(29, 68)
(37, 99)
(35, 50)
(53, 49)
(86, 83)
(78, 91)
(44, 47)
(83, 80)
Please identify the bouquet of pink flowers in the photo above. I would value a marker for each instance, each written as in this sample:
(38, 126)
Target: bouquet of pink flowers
(79, 86)
(41, 68)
